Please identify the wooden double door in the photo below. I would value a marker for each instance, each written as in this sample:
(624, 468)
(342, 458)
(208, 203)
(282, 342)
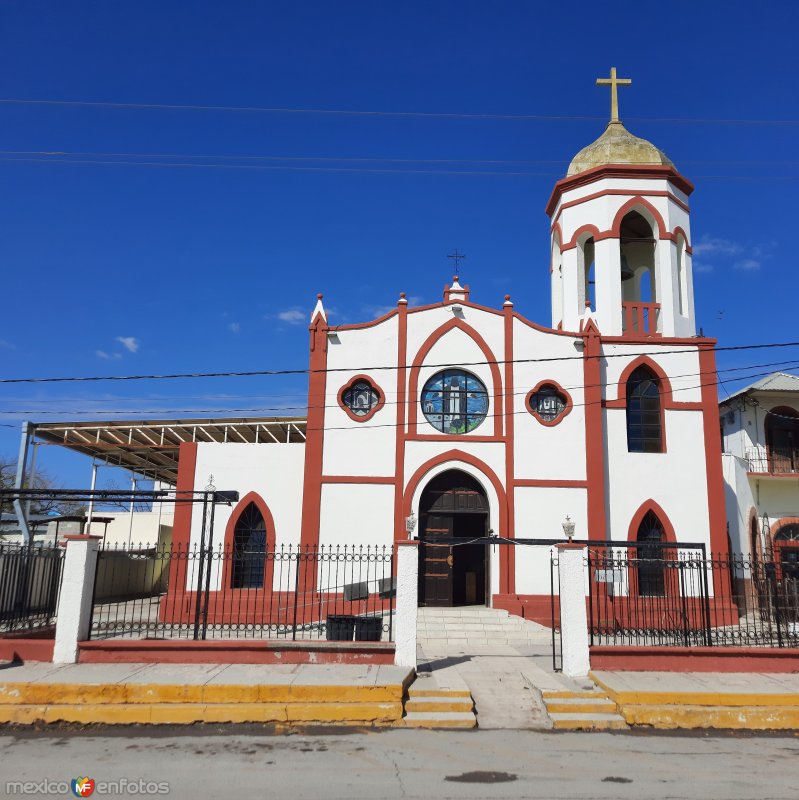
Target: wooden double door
(453, 569)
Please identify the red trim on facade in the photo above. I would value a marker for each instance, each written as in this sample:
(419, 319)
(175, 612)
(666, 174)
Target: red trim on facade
(388, 480)
(381, 395)
(457, 302)
(454, 437)
(357, 326)
(636, 171)
(536, 327)
(644, 361)
(594, 433)
(187, 466)
(633, 204)
(233, 651)
(314, 442)
(399, 454)
(487, 472)
(617, 192)
(596, 235)
(27, 649)
(553, 483)
(418, 363)
(271, 539)
(556, 230)
(717, 514)
(566, 411)
(510, 462)
(677, 232)
(694, 659)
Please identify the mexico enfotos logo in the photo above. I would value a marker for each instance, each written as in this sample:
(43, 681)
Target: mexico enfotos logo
(88, 787)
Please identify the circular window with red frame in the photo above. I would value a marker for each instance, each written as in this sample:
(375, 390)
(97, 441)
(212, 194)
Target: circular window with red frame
(548, 402)
(361, 398)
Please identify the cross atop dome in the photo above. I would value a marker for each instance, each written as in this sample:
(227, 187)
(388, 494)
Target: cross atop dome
(614, 83)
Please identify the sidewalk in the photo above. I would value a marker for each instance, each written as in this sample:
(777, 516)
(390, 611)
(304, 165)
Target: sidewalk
(187, 693)
(751, 701)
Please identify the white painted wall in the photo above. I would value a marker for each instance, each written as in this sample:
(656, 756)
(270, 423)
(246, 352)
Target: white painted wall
(357, 514)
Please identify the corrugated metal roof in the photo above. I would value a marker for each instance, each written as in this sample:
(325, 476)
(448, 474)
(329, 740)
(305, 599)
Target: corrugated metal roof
(776, 382)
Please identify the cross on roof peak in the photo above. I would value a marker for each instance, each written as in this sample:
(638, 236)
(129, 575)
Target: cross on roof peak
(457, 258)
(614, 83)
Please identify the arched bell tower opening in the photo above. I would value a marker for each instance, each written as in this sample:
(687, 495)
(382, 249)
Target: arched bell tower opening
(453, 510)
(638, 277)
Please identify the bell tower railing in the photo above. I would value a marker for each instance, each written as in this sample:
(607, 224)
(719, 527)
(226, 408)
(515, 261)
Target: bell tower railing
(640, 319)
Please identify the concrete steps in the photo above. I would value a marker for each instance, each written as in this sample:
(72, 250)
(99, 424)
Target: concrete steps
(582, 711)
(438, 708)
(475, 626)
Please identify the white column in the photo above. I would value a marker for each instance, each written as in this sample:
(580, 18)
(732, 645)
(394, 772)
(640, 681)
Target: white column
(607, 289)
(75, 600)
(573, 616)
(666, 285)
(572, 312)
(407, 604)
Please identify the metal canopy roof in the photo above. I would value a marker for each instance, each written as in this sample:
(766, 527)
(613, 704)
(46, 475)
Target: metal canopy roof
(150, 447)
(776, 382)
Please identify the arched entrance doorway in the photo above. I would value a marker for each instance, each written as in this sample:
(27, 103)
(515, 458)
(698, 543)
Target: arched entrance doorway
(452, 572)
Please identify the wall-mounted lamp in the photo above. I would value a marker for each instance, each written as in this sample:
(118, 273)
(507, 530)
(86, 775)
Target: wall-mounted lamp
(410, 524)
(568, 528)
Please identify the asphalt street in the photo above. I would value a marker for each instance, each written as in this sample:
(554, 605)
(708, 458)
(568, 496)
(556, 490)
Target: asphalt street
(253, 761)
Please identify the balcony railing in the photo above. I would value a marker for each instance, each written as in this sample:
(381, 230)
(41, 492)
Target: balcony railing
(640, 319)
(765, 461)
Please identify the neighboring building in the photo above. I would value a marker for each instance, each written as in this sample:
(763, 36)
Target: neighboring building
(760, 437)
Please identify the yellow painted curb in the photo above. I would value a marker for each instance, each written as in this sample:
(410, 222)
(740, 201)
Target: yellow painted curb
(433, 723)
(736, 717)
(597, 707)
(558, 694)
(414, 692)
(589, 725)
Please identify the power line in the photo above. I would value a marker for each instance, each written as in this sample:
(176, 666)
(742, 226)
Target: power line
(364, 170)
(328, 370)
(370, 159)
(305, 408)
(379, 113)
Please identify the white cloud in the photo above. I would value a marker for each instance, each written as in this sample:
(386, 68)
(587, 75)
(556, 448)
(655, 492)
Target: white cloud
(294, 316)
(714, 244)
(700, 266)
(377, 311)
(130, 343)
(103, 354)
(234, 327)
(747, 264)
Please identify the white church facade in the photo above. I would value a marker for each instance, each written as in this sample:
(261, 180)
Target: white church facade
(470, 420)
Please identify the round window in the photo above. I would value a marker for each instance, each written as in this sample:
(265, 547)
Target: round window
(361, 398)
(454, 401)
(548, 403)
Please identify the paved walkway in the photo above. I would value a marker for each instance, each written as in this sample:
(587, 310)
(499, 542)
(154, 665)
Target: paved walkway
(503, 680)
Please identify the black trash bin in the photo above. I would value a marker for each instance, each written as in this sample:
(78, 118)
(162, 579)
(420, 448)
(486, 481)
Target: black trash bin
(368, 629)
(340, 628)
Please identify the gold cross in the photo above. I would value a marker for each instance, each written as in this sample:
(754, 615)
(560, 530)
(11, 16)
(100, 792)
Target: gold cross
(614, 83)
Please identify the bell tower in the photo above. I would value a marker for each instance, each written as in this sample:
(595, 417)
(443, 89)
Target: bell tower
(621, 237)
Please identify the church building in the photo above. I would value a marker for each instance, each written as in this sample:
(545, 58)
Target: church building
(464, 419)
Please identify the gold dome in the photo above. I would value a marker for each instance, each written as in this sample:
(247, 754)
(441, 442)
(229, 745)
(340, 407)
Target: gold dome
(617, 146)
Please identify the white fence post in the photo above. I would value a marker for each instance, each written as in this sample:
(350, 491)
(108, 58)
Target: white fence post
(573, 616)
(75, 601)
(407, 603)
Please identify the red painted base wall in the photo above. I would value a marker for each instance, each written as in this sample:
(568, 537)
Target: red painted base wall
(695, 659)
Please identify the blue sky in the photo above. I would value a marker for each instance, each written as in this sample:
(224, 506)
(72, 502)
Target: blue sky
(120, 268)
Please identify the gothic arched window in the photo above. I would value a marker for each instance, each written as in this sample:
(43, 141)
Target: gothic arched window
(454, 401)
(649, 557)
(249, 550)
(644, 423)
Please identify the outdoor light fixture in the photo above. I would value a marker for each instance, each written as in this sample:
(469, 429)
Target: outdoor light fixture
(568, 528)
(410, 524)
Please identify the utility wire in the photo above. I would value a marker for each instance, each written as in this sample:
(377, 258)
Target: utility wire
(378, 113)
(306, 408)
(329, 370)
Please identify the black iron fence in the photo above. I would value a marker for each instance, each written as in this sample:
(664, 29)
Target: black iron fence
(336, 592)
(30, 579)
(673, 595)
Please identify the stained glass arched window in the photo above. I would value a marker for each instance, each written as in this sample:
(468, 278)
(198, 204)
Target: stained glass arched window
(249, 550)
(644, 427)
(454, 401)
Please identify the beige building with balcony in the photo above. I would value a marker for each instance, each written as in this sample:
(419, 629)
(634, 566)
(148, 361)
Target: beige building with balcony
(760, 441)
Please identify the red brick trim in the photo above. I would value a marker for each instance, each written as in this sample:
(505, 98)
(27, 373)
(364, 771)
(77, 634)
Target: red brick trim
(694, 659)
